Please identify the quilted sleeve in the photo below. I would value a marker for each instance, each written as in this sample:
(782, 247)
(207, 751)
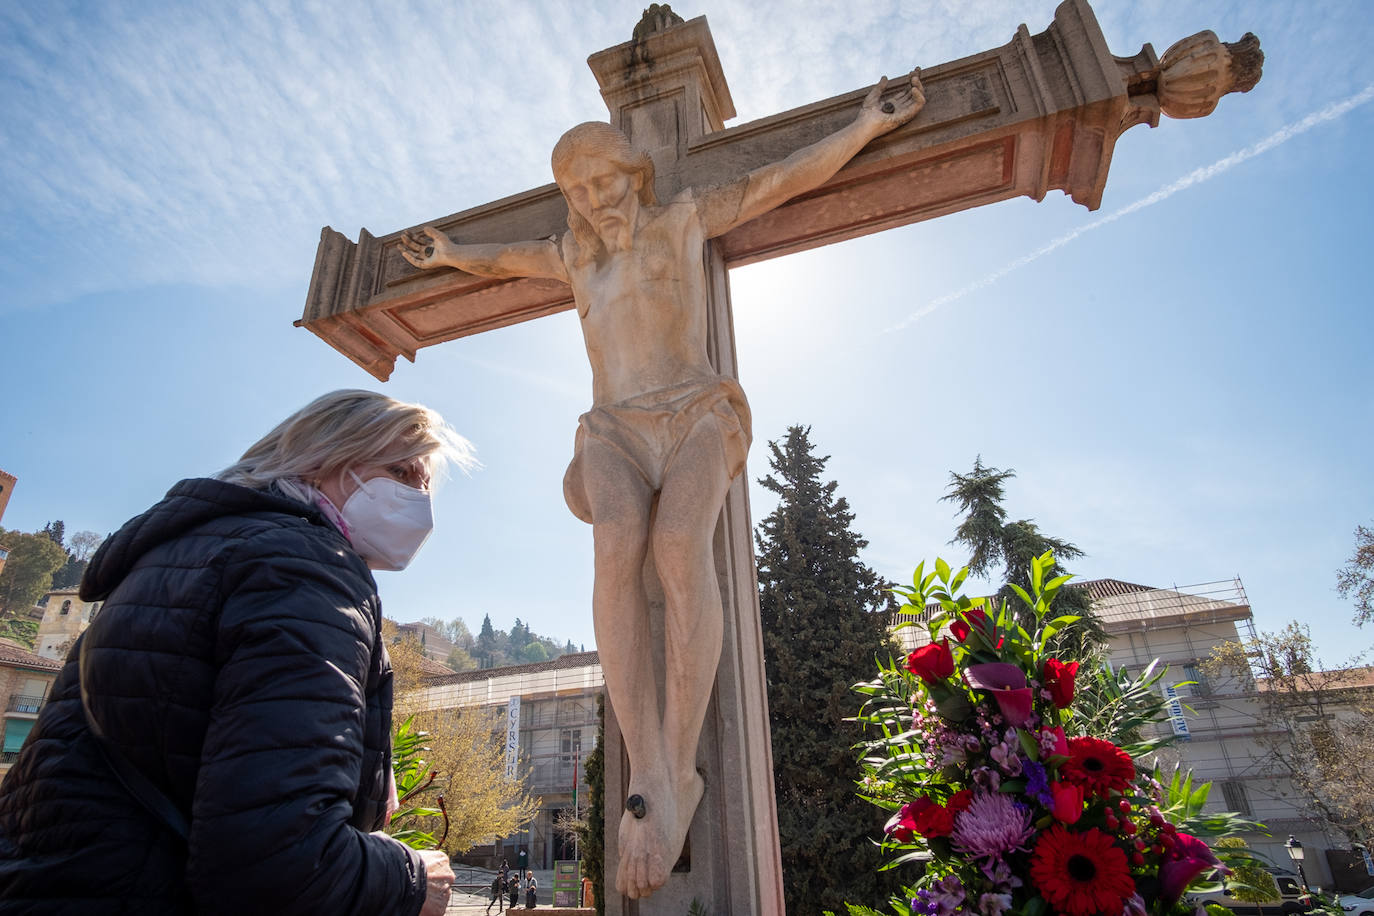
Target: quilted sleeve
(282, 754)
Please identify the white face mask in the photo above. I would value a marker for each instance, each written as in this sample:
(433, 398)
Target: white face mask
(387, 521)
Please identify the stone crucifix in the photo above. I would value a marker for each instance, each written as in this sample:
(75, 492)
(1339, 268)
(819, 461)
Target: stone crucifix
(663, 445)
(666, 434)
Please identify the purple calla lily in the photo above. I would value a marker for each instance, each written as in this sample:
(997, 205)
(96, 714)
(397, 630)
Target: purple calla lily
(1007, 684)
(1189, 858)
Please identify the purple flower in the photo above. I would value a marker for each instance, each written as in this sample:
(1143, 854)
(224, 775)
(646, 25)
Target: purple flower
(1037, 783)
(1007, 759)
(943, 898)
(987, 778)
(994, 904)
(999, 873)
(1188, 858)
(992, 826)
(1007, 684)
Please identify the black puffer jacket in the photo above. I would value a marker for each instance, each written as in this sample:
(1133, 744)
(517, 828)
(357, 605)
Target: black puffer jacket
(237, 662)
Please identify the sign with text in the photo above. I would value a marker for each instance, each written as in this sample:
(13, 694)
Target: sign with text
(1176, 718)
(566, 883)
(512, 737)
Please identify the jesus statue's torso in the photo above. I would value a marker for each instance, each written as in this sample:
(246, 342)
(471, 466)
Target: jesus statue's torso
(643, 310)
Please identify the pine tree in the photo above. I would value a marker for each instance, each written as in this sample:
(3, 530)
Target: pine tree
(825, 622)
(995, 543)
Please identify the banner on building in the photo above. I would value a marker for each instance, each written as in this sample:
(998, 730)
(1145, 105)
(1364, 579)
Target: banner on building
(1176, 718)
(512, 737)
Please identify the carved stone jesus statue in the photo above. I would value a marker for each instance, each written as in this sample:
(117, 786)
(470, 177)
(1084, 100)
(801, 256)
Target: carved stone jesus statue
(663, 423)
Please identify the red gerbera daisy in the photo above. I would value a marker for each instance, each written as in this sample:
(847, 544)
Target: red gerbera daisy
(1081, 874)
(1098, 766)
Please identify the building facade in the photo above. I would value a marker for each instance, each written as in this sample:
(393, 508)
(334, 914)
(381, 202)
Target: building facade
(65, 617)
(554, 721)
(25, 680)
(7, 482)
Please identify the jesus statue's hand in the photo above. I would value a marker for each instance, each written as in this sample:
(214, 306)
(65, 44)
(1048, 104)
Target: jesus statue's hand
(426, 248)
(885, 114)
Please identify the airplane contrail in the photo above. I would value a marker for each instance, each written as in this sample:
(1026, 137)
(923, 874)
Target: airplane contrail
(1330, 113)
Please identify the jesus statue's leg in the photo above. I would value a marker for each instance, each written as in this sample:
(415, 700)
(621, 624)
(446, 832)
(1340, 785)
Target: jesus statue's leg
(620, 501)
(684, 527)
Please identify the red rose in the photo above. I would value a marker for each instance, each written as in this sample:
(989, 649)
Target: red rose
(903, 825)
(936, 820)
(960, 627)
(960, 800)
(924, 816)
(931, 663)
(1068, 802)
(1058, 678)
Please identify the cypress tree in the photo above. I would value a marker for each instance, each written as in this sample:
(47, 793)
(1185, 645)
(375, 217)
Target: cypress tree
(825, 622)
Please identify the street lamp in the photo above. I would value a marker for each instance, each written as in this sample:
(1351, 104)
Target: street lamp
(1295, 852)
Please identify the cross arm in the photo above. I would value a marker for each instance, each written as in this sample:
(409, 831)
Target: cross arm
(1042, 112)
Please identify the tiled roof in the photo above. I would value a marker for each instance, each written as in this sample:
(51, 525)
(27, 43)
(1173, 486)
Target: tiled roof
(1109, 588)
(562, 662)
(11, 654)
(430, 668)
(1119, 602)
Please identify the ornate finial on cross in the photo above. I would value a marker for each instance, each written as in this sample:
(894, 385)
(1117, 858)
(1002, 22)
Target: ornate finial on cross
(659, 17)
(1197, 71)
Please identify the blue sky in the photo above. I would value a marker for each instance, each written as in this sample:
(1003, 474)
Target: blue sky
(1181, 379)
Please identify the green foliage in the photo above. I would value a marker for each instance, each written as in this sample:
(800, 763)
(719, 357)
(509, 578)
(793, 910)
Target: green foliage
(825, 617)
(1114, 705)
(594, 839)
(28, 572)
(1249, 881)
(414, 778)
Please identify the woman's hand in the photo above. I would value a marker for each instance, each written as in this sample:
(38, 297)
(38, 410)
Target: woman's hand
(439, 875)
(393, 801)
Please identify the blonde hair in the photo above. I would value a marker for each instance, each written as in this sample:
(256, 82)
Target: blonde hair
(345, 429)
(601, 140)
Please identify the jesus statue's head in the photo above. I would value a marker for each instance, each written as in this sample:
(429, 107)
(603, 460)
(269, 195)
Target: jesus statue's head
(605, 180)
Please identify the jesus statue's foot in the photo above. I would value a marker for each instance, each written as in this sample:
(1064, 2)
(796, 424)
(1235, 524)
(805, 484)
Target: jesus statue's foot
(652, 832)
(645, 859)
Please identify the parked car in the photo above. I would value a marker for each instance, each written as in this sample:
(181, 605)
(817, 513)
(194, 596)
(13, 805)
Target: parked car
(1291, 898)
(1359, 904)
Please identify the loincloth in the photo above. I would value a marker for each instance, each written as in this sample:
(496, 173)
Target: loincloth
(648, 430)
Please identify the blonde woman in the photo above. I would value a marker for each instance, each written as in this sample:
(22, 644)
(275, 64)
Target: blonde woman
(219, 738)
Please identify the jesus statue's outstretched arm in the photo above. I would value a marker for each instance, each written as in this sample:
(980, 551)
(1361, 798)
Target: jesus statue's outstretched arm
(770, 186)
(722, 208)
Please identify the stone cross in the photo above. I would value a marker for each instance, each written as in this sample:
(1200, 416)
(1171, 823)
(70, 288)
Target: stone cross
(1042, 112)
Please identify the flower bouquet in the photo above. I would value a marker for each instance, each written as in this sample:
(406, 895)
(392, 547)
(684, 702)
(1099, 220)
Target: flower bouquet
(1019, 795)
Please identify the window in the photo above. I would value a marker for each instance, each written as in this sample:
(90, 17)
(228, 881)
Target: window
(4, 554)
(66, 606)
(16, 730)
(1236, 799)
(569, 746)
(1193, 673)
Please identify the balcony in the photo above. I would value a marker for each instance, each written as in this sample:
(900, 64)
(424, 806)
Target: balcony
(24, 704)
